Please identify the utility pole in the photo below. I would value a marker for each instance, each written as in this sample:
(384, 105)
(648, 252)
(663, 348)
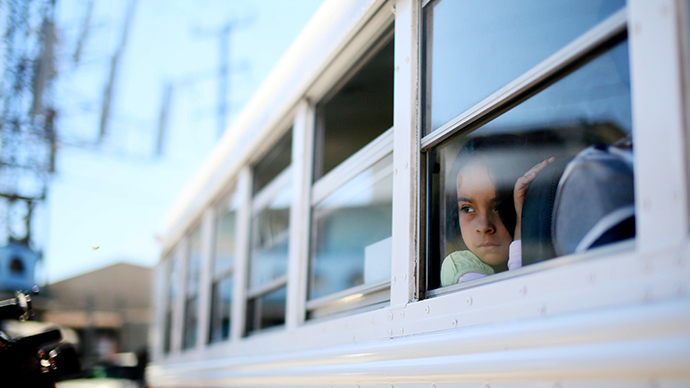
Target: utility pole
(223, 76)
(84, 32)
(223, 34)
(114, 64)
(163, 118)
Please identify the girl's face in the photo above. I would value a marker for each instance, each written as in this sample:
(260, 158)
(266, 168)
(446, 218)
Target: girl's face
(480, 226)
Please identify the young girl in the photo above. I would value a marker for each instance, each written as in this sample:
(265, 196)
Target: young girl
(489, 210)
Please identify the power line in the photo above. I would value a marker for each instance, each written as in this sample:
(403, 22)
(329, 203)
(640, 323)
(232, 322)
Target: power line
(114, 65)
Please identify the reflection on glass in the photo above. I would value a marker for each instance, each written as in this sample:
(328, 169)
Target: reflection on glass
(273, 163)
(224, 257)
(270, 229)
(687, 42)
(359, 112)
(351, 232)
(225, 234)
(476, 47)
(266, 310)
(173, 273)
(192, 288)
(190, 323)
(596, 96)
(590, 106)
(194, 262)
(221, 302)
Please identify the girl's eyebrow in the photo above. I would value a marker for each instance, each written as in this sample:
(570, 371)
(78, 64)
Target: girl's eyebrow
(466, 199)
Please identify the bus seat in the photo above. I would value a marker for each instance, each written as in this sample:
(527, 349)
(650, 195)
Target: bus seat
(576, 205)
(537, 213)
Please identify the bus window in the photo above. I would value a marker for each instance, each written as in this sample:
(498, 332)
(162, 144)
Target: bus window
(686, 66)
(357, 113)
(191, 301)
(476, 47)
(172, 282)
(352, 232)
(269, 237)
(223, 266)
(273, 163)
(351, 226)
(474, 215)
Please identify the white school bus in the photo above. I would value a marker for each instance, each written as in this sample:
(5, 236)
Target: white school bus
(379, 214)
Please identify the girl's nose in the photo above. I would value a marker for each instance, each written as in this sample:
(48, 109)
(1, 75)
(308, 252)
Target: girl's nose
(485, 224)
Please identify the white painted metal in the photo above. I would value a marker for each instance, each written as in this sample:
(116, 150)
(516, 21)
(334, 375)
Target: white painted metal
(205, 279)
(239, 291)
(180, 256)
(661, 196)
(613, 344)
(159, 304)
(594, 317)
(406, 155)
(302, 149)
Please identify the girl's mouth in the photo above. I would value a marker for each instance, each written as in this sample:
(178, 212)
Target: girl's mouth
(488, 245)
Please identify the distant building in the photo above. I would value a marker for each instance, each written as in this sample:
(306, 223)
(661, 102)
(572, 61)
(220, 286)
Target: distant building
(109, 308)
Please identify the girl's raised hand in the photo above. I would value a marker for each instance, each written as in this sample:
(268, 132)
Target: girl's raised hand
(520, 190)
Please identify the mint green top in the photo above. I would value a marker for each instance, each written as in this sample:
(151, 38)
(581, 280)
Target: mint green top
(460, 263)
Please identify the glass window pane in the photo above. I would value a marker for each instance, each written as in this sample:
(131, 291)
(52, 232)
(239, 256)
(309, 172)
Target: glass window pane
(267, 310)
(686, 56)
(574, 119)
(270, 234)
(193, 272)
(594, 95)
(173, 283)
(168, 331)
(226, 224)
(194, 262)
(275, 161)
(473, 48)
(351, 232)
(221, 306)
(359, 112)
(190, 323)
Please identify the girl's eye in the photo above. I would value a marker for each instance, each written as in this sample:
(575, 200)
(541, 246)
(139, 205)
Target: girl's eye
(466, 209)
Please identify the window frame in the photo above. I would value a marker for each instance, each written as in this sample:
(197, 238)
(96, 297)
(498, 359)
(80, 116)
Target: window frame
(655, 49)
(176, 304)
(218, 210)
(557, 66)
(365, 296)
(165, 310)
(257, 202)
(192, 295)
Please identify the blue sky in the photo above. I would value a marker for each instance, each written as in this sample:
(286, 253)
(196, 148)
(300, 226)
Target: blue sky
(116, 195)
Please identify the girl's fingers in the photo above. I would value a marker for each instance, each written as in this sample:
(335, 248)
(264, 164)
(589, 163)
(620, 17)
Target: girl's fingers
(538, 167)
(523, 182)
